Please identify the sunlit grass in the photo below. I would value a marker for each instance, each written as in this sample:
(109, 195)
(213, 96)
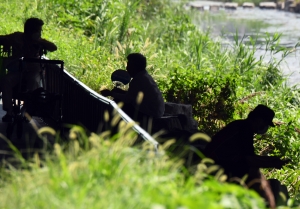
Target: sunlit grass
(94, 43)
(111, 174)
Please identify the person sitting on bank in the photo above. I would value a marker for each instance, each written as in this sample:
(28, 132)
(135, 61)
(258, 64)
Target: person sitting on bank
(152, 103)
(232, 148)
(27, 44)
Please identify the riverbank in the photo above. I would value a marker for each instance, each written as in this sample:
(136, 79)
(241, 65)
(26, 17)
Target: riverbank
(190, 67)
(287, 5)
(256, 23)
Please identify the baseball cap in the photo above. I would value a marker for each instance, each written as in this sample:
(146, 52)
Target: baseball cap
(264, 112)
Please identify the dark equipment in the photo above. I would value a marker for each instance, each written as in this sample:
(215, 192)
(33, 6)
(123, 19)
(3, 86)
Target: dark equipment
(39, 103)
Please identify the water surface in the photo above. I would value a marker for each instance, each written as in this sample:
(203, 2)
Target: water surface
(256, 22)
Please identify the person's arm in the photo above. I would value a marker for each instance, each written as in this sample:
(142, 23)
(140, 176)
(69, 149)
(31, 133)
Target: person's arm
(131, 94)
(121, 97)
(117, 96)
(129, 97)
(266, 161)
(49, 46)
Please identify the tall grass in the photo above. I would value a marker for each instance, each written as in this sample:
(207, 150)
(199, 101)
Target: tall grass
(110, 174)
(222, 84)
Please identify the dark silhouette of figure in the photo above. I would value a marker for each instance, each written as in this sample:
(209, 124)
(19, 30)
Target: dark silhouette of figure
(27, 44)
(232, 148)
(152, 103)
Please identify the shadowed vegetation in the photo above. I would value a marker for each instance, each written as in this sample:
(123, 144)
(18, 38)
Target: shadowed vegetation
(221, 83)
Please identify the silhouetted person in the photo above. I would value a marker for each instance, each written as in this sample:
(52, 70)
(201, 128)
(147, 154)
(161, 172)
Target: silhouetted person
(26, 44)
(152, 104)
(232, 148)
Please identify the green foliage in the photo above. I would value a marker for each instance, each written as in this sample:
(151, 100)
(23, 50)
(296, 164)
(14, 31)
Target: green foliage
(212, 98)
(222, 83)
(149, 9)
(111, 174)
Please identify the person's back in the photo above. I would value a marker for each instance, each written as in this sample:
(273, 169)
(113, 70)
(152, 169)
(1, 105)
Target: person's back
(231, 146)
(152, 103)
(21, 47)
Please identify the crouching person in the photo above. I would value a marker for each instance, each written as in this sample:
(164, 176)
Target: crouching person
(232, 148)
(143, 100)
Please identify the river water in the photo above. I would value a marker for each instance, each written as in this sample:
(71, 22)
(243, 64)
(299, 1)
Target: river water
(285, 23)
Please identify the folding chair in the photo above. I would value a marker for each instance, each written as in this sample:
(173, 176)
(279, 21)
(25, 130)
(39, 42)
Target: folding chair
(36, 103)
(5, 53)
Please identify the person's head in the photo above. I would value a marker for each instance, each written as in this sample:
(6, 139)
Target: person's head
(33, 28)
(261, 118)
(136, 63)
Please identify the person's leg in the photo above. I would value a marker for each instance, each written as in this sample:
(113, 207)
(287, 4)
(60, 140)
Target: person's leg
(137, 116)
(9, 81)
(278, 190)
(129, 110)
(258, 182)
(32, 79)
